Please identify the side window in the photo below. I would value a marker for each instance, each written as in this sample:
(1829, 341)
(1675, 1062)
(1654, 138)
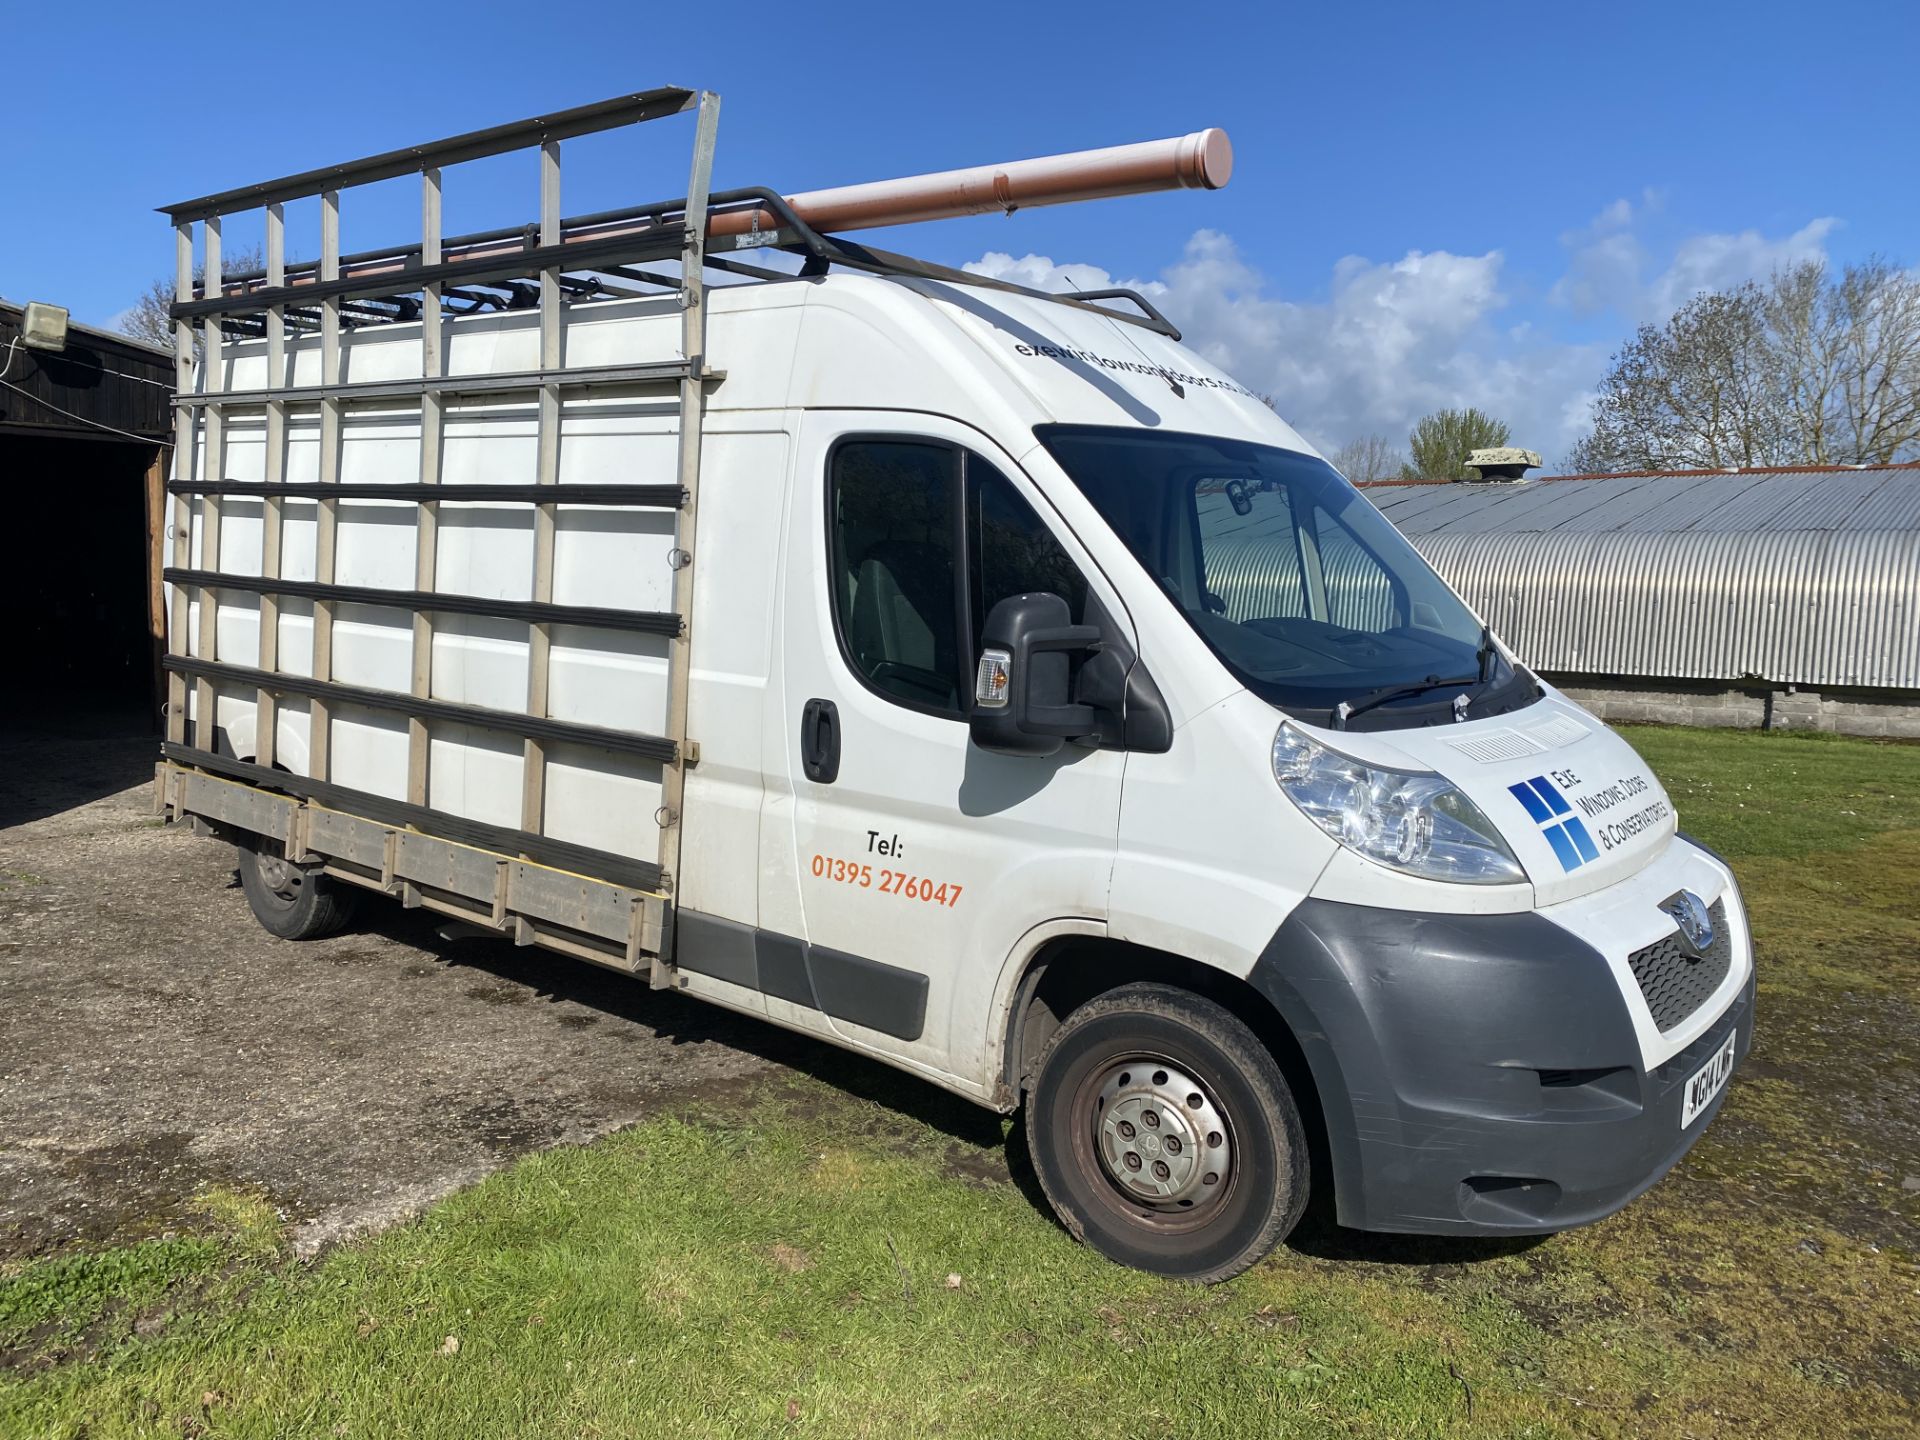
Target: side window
(892, 521)
(1360, 594)
(899, 513)
(1012, 550)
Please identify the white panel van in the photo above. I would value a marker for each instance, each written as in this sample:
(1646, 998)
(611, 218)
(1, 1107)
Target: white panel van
(1058, 727)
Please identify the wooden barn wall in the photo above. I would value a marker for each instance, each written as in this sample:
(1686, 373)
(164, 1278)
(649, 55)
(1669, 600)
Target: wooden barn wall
(122, 386)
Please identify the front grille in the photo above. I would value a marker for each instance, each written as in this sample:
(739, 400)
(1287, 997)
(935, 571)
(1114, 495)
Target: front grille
(1674, 980)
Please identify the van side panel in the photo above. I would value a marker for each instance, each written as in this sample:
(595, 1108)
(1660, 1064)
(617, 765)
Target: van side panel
(742, 493)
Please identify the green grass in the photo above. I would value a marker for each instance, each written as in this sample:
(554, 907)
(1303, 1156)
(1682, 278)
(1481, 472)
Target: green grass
(778, 1264)
(1782, 794)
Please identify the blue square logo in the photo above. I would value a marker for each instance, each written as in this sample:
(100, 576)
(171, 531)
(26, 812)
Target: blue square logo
(1565, 832)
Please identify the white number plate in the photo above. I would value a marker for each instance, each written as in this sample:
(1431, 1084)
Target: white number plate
(1708, 1081)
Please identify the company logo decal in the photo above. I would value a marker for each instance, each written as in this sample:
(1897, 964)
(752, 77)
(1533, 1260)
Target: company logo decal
(1564, 830)
(1690, 913)
(1073, 358)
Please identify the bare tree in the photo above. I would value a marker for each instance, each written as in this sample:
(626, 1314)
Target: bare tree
(1875, 308)
(1807, 369)
(148, 319)
(1441, 442)
(1371, 457)
(1810, 345)
(1699, 392)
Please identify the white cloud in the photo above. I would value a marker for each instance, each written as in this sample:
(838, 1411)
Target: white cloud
(1610, 268)
(1390, 341)
(119, 320)
(1604, 265)
(1037, 272)
(1715, 262)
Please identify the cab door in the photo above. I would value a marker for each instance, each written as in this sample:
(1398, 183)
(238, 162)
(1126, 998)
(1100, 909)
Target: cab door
(919, 860)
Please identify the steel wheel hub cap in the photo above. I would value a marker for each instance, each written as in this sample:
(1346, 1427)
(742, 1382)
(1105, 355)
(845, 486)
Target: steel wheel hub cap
(280, 877)
(1160, 1137)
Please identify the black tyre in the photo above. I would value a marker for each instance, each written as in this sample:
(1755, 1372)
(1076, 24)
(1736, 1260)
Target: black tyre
(1164, 1135)
(289, 901)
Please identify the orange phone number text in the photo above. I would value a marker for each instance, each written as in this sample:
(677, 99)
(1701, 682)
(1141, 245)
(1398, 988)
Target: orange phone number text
(887, 882)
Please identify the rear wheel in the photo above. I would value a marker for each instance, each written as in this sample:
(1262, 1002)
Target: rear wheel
(289, 900)
(1164, 1135)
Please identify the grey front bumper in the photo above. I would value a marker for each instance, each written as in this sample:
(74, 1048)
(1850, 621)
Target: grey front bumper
(1479, 1075)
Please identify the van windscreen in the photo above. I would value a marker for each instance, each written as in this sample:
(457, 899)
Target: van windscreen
(1306, 593)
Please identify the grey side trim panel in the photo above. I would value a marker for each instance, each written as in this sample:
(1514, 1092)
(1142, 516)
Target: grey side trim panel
(848, 987)
(709, 945)
(783, 969)
(865, 992)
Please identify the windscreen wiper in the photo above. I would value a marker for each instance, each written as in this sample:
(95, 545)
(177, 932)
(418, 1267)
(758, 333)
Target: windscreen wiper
(1345, 711)
(1484, 657)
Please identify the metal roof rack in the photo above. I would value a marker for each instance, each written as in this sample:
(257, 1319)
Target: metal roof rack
(590, 254)
(381, 286)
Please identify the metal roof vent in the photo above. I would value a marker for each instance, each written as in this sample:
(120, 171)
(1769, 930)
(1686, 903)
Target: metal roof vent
(1504, 464)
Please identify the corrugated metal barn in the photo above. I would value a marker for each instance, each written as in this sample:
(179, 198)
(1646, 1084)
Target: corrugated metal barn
(1765, 596)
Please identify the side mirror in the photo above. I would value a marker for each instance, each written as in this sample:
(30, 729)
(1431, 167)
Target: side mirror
(1023, 689)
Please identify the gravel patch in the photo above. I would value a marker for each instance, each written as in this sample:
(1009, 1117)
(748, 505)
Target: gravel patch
(155, 1041)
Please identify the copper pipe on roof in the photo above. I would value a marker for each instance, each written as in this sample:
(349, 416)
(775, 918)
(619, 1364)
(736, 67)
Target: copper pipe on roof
(1200, 161)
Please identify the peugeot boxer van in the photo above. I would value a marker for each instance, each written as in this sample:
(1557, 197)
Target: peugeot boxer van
(1034, 710)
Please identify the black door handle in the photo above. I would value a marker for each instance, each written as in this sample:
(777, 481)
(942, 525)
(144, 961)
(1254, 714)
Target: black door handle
(820, 741)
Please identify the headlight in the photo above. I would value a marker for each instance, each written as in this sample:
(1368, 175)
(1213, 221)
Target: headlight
(1413, 821)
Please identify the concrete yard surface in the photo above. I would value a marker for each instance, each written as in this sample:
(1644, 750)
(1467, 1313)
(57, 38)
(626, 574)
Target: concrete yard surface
(155, 1041)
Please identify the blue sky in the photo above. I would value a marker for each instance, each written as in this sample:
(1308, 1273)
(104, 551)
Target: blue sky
(1431, 204)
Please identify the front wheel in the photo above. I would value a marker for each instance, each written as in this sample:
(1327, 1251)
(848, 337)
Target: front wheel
(290, 900)
(1165, 1136)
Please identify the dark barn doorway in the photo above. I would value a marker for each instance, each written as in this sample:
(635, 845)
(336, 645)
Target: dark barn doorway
(79, 510)
(83, 460)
